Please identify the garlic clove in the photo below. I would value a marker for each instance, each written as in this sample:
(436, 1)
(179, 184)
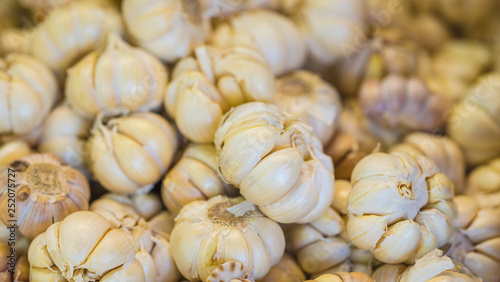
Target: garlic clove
(426, 243)
(490, 248)
(467, 208)
(330, 223)
(485, 226)
(389, 272)
(439, 186)
(147, 263)
(38, 255)
(286, 270)
(164, 262)
(45, 274)
(323, 254)
(485, 266)
(129, 272)
(399, 243)
(365, 231)
(342, 190)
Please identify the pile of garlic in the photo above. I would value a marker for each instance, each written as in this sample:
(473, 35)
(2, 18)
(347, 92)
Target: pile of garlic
(249, 140)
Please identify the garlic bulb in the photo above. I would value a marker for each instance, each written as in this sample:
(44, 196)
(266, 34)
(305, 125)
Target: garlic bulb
(483, 183)
(477, 242)
(212, 82)
(13, 150)
(276, 163)
(83, 247)
(274, 35)
(131, 153)
(474, 123)
(14, 40)
(286, 270)
(170, 29)
(193, 178)
(445, 153)
(207, 234)
(224, 8)
(119, 77)
(342, 20)
(60, 44)
(402, 104)
(47, 192)
(343, 277)
(232, 271)
(30, 90)
(400, 207)
(64, 134)
(315, 101)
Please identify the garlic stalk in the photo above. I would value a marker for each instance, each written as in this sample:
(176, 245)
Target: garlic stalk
(274, 35)
(286, 270)
(206, 235)
(13, 150)
(46, 190)
(276, 163)
(400, 207)
(483, 183)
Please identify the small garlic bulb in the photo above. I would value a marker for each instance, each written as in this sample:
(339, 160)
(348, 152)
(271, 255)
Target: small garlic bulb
(400, 207)
(276, 163)
(64, 134)
(444, 151)
(315, 101)
(343, 277)
(212, 82)
(47, 192)
(118, 77)
(13, 150)
(170, 29)
(483, 183)
(333, 29)
(233, 271)
(60, 44)
(207, 234)
(131, 153)
(274, 35)
(286, 270)
(194, 177)
(84, 247)
(475, 122)
(30, 91)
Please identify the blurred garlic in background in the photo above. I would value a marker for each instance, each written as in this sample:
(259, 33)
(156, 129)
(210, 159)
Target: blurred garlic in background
(343, 277)
(14, 40)
(286, 270)
(483, 183)
(225, 8)
(13, 150)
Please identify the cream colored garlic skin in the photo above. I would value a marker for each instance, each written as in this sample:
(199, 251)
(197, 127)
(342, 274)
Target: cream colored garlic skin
(208, 84)
(343, 277)
(13, 150)
(29, 91)
(443, 150)
(232, 271)
(194, 177)
(315, 101)
(60, 44)
(119, 77)
(84, 247)
(14, 40)
(276, 163)
(170, 29)
(131, 152)
(274, 35)
(46, 192)
(400, 207)
(206, 235)
(224, 8)
(286, 270)
(483, 183)
(474, 123)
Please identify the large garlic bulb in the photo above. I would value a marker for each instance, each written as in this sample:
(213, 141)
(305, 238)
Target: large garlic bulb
(207, 234)
(60, 44)
(131, 152)
(205, 87)
(445, 153)
(475, 122)
(333, 29)
(286, 270)
(315, 101)
(276, 163)
(84, 247)
(483, 183)
(46, 192)
(194, 177)
(119, 77)
(400, 207)
(170, 29)
(274, 35)
(64, 134)
(477, 241)
(28, 92)
(13, 150)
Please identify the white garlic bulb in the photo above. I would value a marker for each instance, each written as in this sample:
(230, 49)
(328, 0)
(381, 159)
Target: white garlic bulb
(442, 150)
(276, 163)
(170, 29)
(483, 183)
(286, 270)
(274, 35)
(474, 123)
(119, 77)
(46, 192)
(29, 92)
(204, 87)
(206, 234)
(13, 150)
(333, 29)
(83, 247)
(315, 101)
(60, 44)
(400, 207)
(194, 177)
(131, 153)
